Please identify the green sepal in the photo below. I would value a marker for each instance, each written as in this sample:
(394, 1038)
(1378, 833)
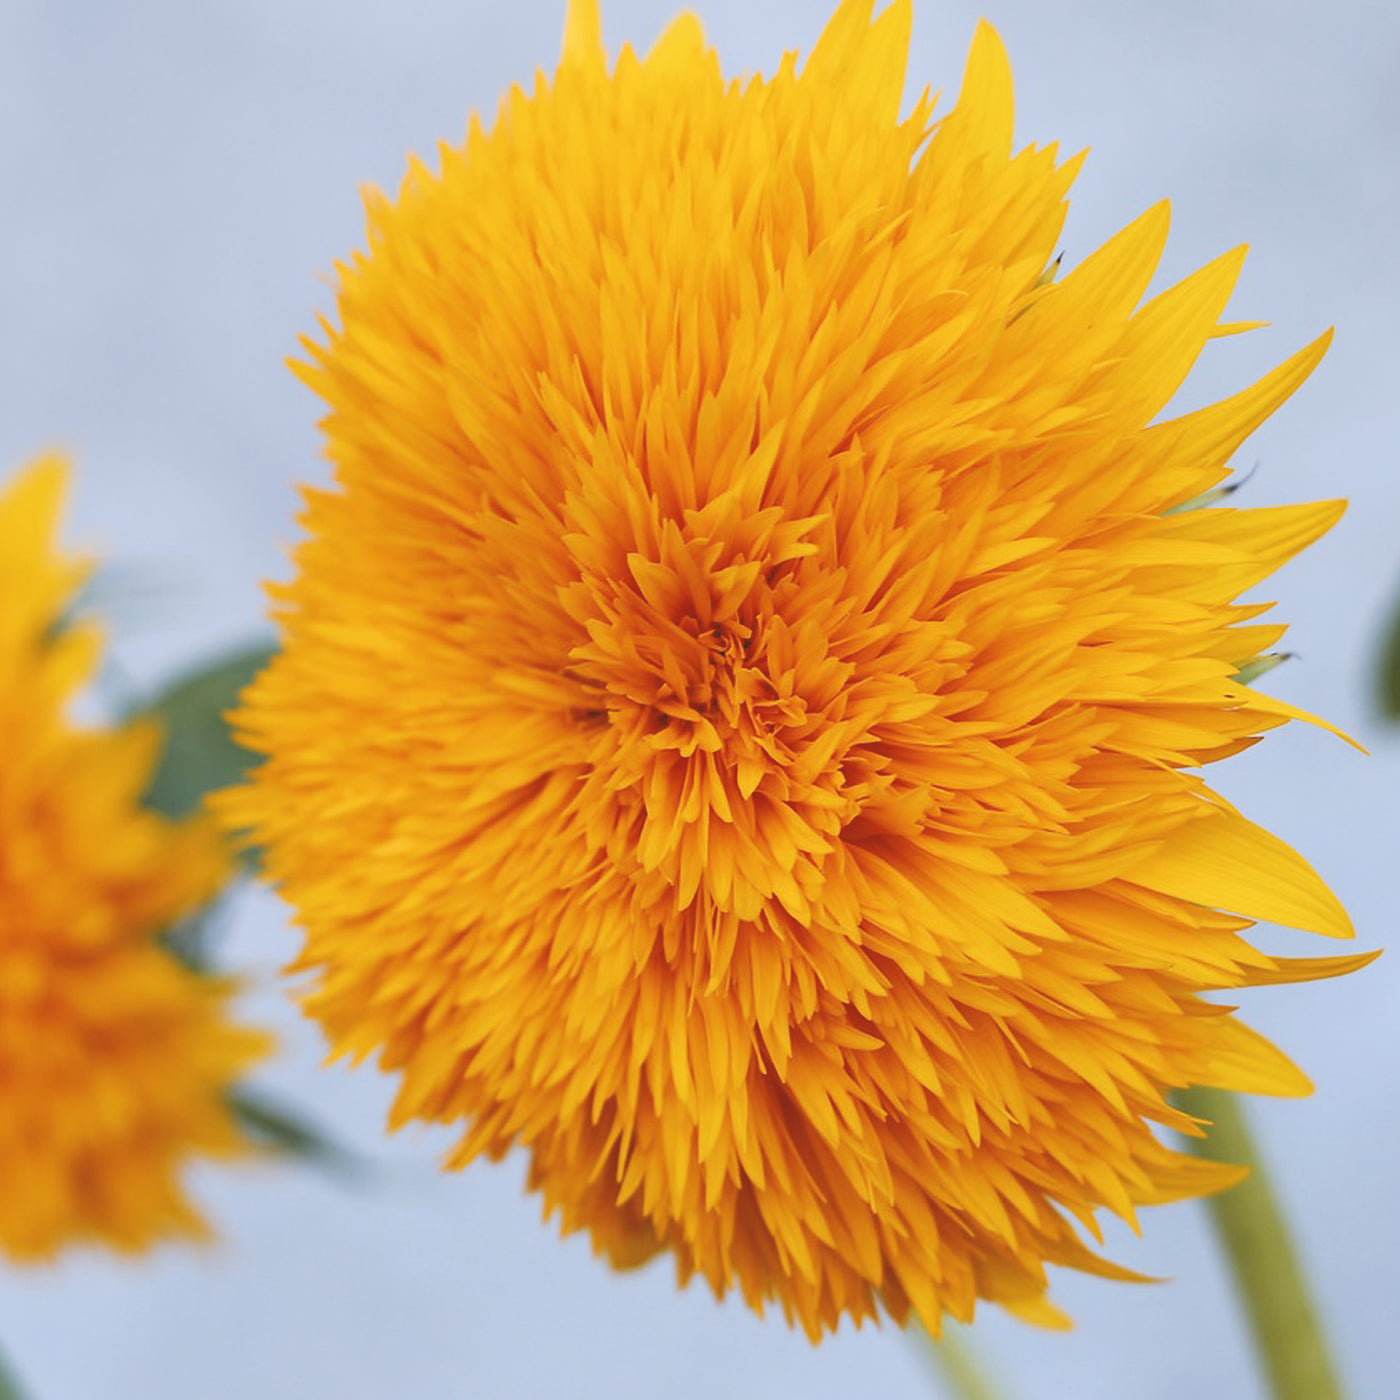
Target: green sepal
(1212, 497)
(1260, 666)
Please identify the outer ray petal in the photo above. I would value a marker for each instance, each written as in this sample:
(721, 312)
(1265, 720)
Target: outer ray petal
(982, 123)
(1269, 705)
(583, 35)
(1207, 438)
(1165, 337)
(1224, 861)
(863, 63)
(1270, 535)
(1309, 969)
(1109, 283)
(1243, 1061)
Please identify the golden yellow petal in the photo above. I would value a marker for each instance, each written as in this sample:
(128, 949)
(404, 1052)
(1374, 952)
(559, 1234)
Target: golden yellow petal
(583, 35)
(1226, 862)
(1258, 703)
(1208, 437)
(863, 63)
(982, 123)
(1309, 969)
(1240, 1059)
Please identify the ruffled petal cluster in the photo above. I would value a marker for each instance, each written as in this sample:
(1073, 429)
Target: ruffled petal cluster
(114, 1058)
(738, 729)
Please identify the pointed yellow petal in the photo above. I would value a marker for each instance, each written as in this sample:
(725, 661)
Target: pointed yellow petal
(39, 581)
(1110, 282)
(1258, 541)
(1165, 337)
(837, 41)
(1187, 1177)
(1309, 969)
(583, 35)
(1207, 438)
(1226, 862)
(36, 496)
(1280, 709)
(1236, 328)
(1079, 1256)
(1037, 1310)
(861, 62)
(1243, 1061)
(1271, 534)
(681, 47)
(985, 115)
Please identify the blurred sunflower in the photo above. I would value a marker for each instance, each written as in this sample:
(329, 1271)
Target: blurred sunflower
(735, 726)
(114, 1059)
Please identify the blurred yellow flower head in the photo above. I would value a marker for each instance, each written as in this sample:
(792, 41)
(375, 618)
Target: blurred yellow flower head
(114, 1059)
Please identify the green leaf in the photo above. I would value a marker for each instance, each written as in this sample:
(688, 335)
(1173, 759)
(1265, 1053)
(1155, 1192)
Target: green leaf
(1388, 670)
(200, 754)
(10, 1388)
(275, 1126)
(188, 941)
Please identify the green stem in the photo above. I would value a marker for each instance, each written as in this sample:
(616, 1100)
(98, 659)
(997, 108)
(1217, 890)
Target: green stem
(965, 1377)
(1269, 1276)
(10, 1388)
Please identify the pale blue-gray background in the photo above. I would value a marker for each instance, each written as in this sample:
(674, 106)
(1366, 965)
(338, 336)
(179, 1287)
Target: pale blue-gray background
(177, 179)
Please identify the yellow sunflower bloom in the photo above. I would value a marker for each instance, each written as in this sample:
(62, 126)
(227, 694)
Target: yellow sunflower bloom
(114, 1059)
(736, 727)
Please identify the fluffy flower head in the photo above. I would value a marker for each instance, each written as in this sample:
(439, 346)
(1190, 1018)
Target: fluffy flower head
(736, 727)
(114, 1059)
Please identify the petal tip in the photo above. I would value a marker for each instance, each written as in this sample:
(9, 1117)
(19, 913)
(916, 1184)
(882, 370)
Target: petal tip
(583, 34)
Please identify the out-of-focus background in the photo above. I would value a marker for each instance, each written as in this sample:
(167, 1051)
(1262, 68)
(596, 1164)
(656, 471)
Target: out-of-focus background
(177, 181)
